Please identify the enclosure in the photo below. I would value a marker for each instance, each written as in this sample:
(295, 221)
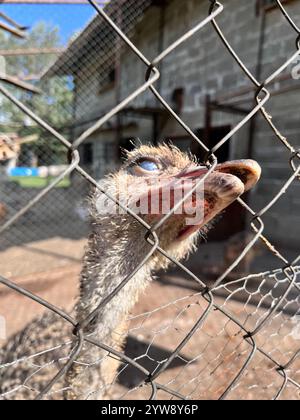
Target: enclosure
(81, 83)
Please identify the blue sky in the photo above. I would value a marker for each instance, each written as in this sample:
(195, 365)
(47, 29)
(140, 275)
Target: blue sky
(69, 18)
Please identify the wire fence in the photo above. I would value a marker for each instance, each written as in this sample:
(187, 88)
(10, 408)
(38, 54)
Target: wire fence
(254, 349)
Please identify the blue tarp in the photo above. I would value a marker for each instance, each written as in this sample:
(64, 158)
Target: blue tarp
(23, 172)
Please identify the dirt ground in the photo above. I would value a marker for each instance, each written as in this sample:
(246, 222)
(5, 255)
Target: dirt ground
(39, 257)
(207, 364)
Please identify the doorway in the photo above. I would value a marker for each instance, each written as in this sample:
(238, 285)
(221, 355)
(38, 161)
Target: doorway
(233, 220)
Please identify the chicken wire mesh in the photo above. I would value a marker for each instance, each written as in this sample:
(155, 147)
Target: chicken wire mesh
(222, 349)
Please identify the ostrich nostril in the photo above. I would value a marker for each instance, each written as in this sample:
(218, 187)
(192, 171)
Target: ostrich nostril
(224, 185)
(247, 171)
(241, 174)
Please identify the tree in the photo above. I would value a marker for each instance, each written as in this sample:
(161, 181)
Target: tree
(54, 104)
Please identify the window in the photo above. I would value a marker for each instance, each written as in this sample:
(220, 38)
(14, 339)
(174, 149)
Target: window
(87, 154)
(109, 152)
(112, 76)
(178, 99)
(183, 143)
(125, 144)
(210, 140)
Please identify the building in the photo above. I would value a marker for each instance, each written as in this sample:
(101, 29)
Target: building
(10, 149)
(202, 83)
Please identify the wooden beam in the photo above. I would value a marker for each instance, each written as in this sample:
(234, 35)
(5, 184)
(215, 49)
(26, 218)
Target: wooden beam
(14, 31)
(270, 7)
(231, 109)
(28, 139)
(31, 77)
(19, 84)
(13, 22)
(30, 51)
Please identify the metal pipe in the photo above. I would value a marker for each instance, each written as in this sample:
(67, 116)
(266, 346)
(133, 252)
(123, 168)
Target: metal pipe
(258, 74)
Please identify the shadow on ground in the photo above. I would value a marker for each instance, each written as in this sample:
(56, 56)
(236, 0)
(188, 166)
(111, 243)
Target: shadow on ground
(153, 357)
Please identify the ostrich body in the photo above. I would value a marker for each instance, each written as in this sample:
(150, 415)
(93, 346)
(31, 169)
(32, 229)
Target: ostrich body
(115, 248)
(3, 212)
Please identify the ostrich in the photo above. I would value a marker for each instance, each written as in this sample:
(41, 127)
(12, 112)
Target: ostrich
(3, 212)
(115, 247)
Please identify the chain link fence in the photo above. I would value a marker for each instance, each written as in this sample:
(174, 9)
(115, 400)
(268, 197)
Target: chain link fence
(237, 339)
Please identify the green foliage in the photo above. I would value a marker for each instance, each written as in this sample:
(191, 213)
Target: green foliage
(37, 182)
(54, 105)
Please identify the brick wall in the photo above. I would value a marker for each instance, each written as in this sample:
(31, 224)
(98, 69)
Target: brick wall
(203, 66)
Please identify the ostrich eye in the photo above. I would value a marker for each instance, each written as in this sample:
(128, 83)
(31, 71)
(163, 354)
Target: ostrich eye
(145, 167)
(148, 165)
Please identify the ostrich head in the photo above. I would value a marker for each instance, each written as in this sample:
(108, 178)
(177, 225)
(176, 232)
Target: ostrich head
(155, 179)
(151, 182)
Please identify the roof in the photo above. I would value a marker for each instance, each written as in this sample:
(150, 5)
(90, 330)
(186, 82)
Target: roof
(98, 39)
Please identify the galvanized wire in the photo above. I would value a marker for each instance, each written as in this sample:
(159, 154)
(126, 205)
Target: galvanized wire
(250, 335)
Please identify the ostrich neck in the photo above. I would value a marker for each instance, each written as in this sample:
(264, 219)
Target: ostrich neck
(114, 251)
(106, 264)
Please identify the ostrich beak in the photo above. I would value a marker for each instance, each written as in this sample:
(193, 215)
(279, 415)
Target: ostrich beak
(204, 200)
(247, 171)
(221, 188)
